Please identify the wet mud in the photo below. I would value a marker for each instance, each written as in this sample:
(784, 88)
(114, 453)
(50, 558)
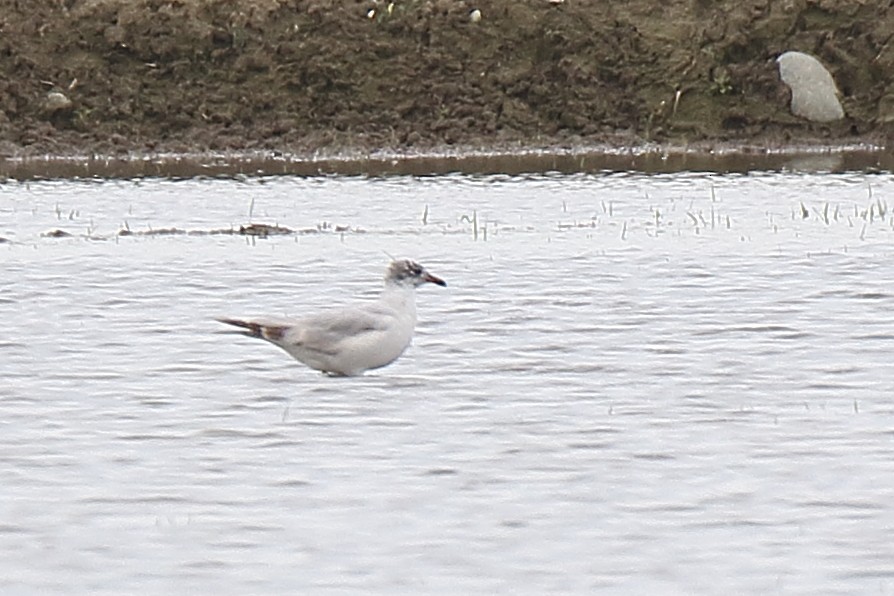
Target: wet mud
(324, 77)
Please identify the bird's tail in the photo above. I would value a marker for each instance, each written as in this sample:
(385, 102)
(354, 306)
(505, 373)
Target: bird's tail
(256, 329)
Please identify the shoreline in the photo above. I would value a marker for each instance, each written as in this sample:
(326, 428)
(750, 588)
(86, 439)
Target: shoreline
(652, 158)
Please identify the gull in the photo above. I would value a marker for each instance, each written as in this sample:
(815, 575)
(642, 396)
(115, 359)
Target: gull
(349, 341)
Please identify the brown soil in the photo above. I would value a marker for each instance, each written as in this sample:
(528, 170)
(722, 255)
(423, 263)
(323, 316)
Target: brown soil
(340, 75)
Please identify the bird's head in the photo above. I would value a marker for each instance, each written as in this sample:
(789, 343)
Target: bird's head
(409, 273)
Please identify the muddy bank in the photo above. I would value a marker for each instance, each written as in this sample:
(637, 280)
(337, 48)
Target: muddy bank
(324, 76)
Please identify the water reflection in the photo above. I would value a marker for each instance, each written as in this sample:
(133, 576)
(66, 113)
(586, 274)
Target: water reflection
(649, 159)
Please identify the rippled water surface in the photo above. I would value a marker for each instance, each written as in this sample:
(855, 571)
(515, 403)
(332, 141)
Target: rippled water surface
(665, 384)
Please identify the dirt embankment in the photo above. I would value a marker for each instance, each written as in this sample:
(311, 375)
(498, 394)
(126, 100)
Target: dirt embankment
(330, 75)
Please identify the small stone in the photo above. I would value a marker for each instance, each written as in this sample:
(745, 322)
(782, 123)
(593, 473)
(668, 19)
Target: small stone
(814, 94)
(56, 102)
(475, 16)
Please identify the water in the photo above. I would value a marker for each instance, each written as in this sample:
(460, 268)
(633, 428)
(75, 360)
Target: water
(632, 384)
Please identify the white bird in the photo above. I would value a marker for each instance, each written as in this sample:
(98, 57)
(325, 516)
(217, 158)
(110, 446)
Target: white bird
(349, 341)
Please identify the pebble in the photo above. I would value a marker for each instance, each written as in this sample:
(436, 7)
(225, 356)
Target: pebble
(814, 94)
(56, 102)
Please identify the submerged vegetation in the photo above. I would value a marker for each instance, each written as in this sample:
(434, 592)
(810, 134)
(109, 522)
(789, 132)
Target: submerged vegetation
(707, 213)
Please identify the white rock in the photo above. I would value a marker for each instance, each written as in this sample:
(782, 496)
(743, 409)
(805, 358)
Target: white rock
(814, 94)
(56, 101)
(475, 15)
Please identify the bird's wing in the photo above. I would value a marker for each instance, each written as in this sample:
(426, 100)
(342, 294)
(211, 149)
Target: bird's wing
(328, 332)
